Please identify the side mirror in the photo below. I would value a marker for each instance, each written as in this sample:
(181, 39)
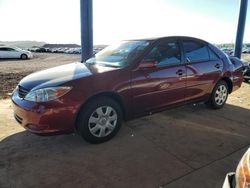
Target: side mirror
(146, 64)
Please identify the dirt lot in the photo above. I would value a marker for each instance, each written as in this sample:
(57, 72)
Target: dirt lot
(12, 71)
(186, 147)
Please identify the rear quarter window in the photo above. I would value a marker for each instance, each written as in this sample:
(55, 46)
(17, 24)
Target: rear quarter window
(212, 55)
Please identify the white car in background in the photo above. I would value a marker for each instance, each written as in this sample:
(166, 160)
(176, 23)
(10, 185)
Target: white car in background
(14, 52)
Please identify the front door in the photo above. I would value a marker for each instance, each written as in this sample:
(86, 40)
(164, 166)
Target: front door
(163, 85)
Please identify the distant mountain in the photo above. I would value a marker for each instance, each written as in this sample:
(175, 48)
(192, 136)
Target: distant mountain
(231, 45)
(100, 46)
(69, 46)
(37, 44)
(61, 46)
(22, 44)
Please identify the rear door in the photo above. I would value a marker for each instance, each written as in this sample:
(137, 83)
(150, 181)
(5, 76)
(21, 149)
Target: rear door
(161, 86)
(203, 67)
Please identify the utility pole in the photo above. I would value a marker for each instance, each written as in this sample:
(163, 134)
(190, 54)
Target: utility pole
(241, 28)
(86, 13)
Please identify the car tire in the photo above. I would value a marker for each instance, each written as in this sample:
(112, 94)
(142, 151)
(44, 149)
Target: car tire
(24, 56)
(99, 120)
(219, 95)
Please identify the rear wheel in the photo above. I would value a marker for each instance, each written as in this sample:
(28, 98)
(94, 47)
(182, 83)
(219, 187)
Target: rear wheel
(99, 120)
(219, 95)
(24, 56)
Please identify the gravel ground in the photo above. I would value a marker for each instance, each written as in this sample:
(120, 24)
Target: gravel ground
(12, 71)
(246, 57)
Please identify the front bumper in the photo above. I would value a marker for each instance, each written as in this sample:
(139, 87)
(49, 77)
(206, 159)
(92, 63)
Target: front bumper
(30, 55)
(42, 118)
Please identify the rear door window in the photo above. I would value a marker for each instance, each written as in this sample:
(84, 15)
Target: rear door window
(10, 49)
(195, 51)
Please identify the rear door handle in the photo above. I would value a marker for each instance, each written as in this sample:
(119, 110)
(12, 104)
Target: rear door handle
(217, 66)
(179, 72)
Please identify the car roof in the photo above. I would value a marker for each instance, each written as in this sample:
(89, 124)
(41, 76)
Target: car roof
(170, 37)
(6, 47)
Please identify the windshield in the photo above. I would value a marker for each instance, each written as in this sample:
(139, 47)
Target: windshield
(16, 48)
(119, 55)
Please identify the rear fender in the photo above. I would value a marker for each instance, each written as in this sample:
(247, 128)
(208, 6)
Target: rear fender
(237, 72)
(237, 67)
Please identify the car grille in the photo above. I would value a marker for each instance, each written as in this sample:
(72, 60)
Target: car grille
(18, 119)
(22, 92)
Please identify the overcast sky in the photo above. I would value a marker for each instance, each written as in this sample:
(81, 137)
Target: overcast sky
(58, 21)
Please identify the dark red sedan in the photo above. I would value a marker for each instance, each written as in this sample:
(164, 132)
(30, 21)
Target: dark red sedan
(124, 81)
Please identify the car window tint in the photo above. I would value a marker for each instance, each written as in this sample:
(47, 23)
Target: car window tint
(10, 49)
(212, 55)
(195, 51)
(165, 53)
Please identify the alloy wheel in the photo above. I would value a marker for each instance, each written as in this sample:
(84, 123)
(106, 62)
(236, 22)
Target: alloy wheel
(221, 95)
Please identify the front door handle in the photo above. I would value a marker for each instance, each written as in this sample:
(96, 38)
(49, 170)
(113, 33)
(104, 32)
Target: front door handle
(179, 72)
(217, 66)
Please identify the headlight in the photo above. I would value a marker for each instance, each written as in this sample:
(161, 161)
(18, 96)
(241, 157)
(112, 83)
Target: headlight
(16, 88)
(47, 94)
(243, 172)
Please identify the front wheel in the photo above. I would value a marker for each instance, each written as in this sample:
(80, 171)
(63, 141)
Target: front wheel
(99, 120)
(219, 95)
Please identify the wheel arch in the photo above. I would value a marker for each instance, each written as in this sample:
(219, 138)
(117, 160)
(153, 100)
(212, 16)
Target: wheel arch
(112, 95)
(229, 83)
(23, 54)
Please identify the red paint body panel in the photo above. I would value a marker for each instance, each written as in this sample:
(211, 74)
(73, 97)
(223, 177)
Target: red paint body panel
(157, 88)
(201, 77)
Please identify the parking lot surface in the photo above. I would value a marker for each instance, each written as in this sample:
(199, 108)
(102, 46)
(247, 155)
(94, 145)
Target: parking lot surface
(189, 146)
(13, 70)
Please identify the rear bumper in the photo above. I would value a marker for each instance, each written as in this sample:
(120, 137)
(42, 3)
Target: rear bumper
(30, 56)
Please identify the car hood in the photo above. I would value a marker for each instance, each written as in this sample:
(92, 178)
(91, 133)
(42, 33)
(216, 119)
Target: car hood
(61, 74)
(55, 76)
(26, 51)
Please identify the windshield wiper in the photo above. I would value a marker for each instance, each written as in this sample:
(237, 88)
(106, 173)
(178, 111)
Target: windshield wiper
(107, 65)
